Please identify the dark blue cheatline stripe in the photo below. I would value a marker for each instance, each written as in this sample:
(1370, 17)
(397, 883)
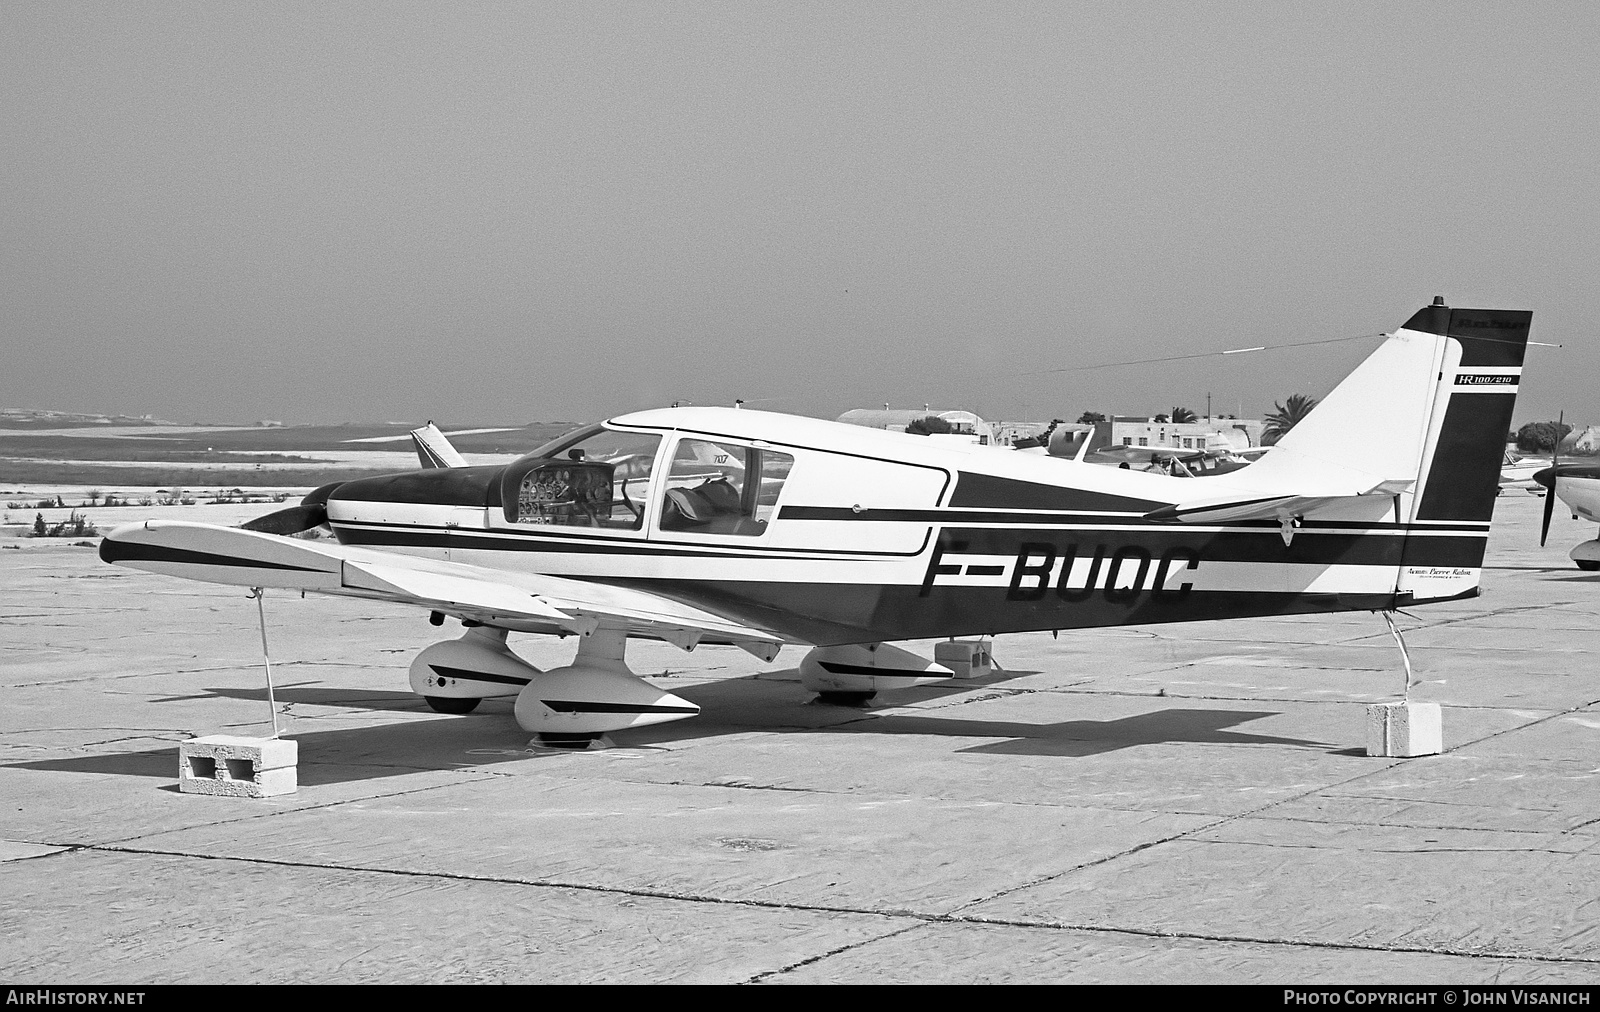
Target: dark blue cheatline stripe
(1041, 518)
(476, 676)
(984, 490)
(128, 551)
(378, 534)
(1308, 548)
(592, 706)
(838, 613)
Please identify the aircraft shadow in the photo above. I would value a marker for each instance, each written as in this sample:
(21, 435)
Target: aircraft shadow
(400, 700)
(347, 755)
(730, 705)
(490, 736)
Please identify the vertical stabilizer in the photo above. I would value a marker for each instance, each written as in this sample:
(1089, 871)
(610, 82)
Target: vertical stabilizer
(1423, 422)
(433, 449)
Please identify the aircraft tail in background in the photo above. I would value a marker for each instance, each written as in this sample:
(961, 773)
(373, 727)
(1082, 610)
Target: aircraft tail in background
(433, 449)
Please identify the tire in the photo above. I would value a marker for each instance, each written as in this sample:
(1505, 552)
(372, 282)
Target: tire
(845, 698)
(451, 704)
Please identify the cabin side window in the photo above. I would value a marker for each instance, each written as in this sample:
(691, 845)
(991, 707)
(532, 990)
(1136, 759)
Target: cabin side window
(600, 479)
(722, 488)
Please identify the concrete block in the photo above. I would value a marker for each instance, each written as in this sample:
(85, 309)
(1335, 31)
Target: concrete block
(967, 658)
(231, 766)
(1404, 730)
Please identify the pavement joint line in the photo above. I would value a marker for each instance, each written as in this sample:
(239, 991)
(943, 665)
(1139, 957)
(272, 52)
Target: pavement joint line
(1288, 942)
(921, 917)
(1148, 844)
(41, 730)
(836, 951)
(1436, 827)
(138, 674)
(1522, 727)
(1392, 850)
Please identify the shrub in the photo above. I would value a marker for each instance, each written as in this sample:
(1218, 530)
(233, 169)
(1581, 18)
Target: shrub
(1536, 437)
(927, 426)
(75, 526)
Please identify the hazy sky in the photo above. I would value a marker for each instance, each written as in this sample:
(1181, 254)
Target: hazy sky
(521, 211)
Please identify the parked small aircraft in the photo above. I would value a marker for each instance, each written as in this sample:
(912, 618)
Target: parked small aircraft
(722, 526)
(1093, 446)
(1517, 471)
(1178, 463)
(1577, 485)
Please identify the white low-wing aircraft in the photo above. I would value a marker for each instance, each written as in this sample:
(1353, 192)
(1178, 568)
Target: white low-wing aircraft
(1577, 485)
(722, 526)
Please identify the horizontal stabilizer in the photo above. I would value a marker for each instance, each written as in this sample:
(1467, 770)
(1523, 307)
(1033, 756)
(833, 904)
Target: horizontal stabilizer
(434, 450)
(1281, 507)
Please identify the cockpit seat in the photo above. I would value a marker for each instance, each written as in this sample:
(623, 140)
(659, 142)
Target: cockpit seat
(685, 509)
(722, 497)
(713, 507)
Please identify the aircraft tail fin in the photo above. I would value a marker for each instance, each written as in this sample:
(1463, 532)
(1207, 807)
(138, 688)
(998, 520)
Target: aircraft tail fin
(1427, 411)
(433, 449)
(1079, 444)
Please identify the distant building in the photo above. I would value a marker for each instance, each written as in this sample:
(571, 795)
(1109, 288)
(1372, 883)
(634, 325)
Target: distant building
(1582, 441)
(964, 425)
(1011, 433)
(1216, 434)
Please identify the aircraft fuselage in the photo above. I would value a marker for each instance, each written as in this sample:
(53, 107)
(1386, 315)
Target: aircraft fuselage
(857, 535)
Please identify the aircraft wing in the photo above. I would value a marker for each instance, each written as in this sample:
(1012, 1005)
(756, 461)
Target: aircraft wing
(527, 602)
(1267, 507)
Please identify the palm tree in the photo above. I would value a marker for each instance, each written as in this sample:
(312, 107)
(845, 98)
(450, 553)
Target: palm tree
(1183, 416)
(1288, 414)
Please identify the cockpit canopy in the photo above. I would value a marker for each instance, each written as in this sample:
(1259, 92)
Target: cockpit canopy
(603, 477)
(595, 477)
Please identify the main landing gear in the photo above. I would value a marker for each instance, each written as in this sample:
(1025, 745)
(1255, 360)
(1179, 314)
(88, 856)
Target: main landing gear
(567, 707)
(852, 675)
(1587, 555)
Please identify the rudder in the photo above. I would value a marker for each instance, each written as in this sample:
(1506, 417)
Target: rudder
(1460, 475)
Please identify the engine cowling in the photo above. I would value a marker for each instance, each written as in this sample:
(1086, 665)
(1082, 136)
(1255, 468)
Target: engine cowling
(479, 665)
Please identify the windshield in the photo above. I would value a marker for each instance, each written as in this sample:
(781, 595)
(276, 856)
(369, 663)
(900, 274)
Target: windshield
(595, 477)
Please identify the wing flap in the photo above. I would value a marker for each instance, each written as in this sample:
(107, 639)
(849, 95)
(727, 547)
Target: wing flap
(451, 594)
